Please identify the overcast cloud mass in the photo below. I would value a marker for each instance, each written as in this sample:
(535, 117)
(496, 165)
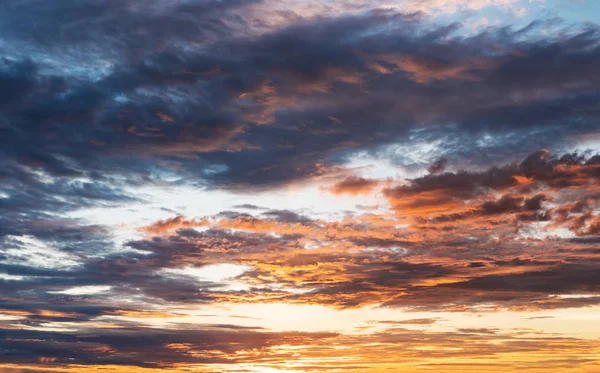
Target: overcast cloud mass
(277, 186)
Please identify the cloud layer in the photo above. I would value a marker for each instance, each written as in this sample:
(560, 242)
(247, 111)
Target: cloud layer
(252, 186)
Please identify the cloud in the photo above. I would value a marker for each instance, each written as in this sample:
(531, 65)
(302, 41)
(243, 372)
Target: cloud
(114, 107)
(130, 347)
(178, 222)
(438, 166)
(260, 98)
(410, 322)
(361, 260)
(354, 185)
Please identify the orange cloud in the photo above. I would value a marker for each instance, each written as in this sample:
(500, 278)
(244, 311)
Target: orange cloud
(354, 185)
(167, 225)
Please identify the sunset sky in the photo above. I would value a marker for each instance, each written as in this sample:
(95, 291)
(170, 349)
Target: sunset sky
(299, 186)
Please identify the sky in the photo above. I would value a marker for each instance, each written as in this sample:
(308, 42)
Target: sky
(299, 186)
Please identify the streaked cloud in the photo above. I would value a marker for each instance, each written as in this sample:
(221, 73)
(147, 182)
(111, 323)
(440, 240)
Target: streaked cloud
(299, 186)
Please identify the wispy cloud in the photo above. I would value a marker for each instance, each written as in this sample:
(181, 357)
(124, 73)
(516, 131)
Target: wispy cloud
(307, 186)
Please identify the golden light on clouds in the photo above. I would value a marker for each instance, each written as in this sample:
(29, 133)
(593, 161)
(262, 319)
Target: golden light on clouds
(299, 186)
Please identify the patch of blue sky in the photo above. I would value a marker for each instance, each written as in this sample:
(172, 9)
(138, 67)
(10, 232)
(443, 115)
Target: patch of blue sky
(519, 14)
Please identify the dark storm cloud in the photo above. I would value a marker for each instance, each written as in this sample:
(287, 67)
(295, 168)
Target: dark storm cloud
(124, 29)
(438, 166)
(569, 170)
(461, 183)
(139, 273)
(142, 347)
(59, 117)
(506, 203)
(300, 94)
(28, 193)
(286, 216)
(561, 279)
(435, 101)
